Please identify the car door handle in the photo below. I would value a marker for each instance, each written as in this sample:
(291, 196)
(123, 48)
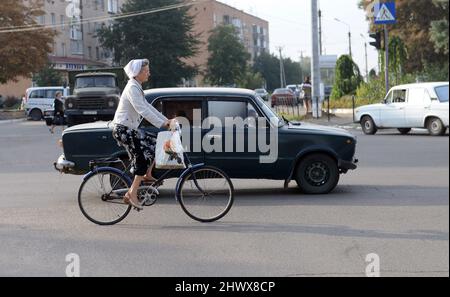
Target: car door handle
(214, 136)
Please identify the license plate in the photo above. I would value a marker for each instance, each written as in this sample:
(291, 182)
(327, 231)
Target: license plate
(90, 112)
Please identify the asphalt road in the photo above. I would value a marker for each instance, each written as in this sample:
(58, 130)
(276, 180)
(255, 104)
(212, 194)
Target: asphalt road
(395, 205)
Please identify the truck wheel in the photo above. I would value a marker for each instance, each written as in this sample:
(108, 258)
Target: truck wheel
(435, 127)
(368, 126)
(36, 115)
(317, 174)
(404, 131)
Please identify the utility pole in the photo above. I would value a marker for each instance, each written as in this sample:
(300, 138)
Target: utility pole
(365, 50)
(320, 31)
(367, 63)
(301, 67)
(315, 66)
(350, 43)
(282, 74)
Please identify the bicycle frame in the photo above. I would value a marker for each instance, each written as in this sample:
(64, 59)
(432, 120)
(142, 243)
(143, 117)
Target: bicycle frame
(189, 169)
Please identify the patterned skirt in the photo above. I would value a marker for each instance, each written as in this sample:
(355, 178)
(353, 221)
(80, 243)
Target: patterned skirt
(140, 146)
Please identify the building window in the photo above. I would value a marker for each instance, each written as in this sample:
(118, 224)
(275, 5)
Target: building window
(97, 53)
(63, 47)
(90, 52)
(41, 19)
(53, 18)
(113, 6)
(62, 22)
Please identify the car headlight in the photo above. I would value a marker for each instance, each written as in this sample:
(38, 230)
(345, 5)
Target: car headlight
(70, 103)
(112, 102)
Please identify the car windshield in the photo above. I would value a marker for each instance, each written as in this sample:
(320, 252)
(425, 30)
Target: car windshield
(96, 82)
(442, 93)
(269, 112)
(259, 91)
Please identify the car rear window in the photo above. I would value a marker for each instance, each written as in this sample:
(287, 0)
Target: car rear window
(442, 93)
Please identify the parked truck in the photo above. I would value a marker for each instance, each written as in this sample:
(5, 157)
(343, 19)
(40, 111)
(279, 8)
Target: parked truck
(95, 97)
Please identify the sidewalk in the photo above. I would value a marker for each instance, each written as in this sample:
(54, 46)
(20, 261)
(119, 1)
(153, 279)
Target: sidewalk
(341, 120)
(11, 115)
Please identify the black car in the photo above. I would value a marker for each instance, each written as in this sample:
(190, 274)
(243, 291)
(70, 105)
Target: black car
(314, 156)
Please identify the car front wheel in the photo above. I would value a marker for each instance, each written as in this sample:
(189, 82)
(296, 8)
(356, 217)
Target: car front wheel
(36, 115)
(317, 174)
(436, 127)
(368, 125)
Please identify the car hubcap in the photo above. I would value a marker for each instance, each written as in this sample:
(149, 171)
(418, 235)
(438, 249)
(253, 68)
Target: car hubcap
(317, 174)
(435, 126)
(367, 125)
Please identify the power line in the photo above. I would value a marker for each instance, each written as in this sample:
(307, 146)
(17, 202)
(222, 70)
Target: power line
(14, 29)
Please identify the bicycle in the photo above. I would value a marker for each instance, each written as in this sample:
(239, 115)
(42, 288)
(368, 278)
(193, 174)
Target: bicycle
(205, 193)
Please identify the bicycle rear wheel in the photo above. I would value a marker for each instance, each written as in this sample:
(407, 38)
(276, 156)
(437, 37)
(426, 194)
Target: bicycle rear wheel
(100, 197)
(206, 194)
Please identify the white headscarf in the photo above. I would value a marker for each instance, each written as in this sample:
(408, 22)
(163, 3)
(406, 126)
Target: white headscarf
(133, 68)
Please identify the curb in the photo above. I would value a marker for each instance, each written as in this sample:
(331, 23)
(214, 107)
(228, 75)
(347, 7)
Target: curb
(12, 121)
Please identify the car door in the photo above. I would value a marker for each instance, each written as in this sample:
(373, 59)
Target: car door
(189, 112)
(418, 104)
(230, 137)
(392, 115)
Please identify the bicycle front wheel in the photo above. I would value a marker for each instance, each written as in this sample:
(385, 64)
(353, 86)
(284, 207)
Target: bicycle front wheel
(206, 194)
(100, 197)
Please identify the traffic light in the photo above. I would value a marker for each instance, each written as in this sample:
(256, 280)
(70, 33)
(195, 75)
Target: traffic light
(377, 42)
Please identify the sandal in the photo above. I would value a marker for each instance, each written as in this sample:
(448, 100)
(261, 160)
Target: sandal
(127, 200)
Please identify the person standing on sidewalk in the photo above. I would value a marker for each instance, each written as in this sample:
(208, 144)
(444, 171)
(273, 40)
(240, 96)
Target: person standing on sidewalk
(307, 91)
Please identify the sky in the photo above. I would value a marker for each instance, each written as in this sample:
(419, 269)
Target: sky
(290, 27)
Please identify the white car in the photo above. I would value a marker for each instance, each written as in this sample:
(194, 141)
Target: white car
(422, 105)
(40, 99)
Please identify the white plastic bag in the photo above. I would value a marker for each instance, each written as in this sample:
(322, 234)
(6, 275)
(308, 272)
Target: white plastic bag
(169, 150)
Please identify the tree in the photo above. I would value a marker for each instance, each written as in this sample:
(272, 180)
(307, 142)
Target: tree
(348, 77)
(228, 57)
(48, 76)
(25, 52)
(414, 27)
(439, 29)
(397, 57)
(269, 67)
(165, 38)
(251, 80)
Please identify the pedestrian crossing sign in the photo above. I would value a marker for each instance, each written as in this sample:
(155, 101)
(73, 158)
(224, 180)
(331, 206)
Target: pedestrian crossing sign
(385, 13)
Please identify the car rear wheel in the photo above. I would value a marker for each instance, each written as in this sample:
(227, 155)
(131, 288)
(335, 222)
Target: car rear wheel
(368, 125)
(317, 174)
(436, 127)
(36, 115)
(404, 131)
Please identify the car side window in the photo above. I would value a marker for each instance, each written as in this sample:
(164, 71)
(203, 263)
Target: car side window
(37, 94)
(227, 108)
(178, 107)
(399, 96)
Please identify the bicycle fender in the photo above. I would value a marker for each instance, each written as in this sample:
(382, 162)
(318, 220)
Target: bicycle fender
(108, 169)
(186, 172)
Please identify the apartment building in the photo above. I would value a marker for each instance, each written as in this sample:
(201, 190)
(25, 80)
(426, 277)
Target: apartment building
(253, 31)
(76, 47)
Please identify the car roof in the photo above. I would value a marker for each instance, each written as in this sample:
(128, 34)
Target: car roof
(44, 88)
(96, 74)
(425, 85)
(201, 92)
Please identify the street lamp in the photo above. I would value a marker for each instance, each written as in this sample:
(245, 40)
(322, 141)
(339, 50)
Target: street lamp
(365, 49)
(349, 35)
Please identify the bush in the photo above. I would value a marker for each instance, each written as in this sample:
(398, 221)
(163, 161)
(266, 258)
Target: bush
(11, 102)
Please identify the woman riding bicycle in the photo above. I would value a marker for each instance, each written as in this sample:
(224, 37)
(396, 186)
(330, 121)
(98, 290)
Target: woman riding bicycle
(132, 108)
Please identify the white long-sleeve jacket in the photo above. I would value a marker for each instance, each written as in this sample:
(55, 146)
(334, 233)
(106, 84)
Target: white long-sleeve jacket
(133, 107)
